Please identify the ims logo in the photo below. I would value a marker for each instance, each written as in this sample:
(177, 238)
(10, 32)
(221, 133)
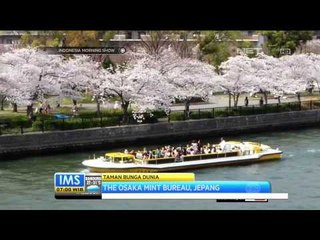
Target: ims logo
(69, 179)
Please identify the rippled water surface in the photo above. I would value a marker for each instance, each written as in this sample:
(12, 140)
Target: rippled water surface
(28, 183)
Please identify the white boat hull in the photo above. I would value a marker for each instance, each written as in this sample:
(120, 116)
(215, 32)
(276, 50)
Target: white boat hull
(98, 165)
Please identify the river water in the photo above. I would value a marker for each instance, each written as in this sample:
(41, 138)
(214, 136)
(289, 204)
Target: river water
(28, 183)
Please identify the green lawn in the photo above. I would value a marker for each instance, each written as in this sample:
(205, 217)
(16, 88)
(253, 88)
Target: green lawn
(9, 114)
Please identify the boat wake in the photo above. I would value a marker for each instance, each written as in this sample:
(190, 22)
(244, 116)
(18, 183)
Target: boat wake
(313, 150)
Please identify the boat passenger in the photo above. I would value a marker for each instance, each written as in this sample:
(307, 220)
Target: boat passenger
(189, 151)
(163, 151)
(144, 150)
(194, 146)
(139, 155)
(175, 152)
(177, 157)
(222, 143)
(145, 156)
(168, 154)
(201, 150)
(184, 151)
(126, 151)
(207, 150)
(227, 148)
(157, 153)
(213, 149)
(199, 146)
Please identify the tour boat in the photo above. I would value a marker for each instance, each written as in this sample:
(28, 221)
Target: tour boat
(231, 153)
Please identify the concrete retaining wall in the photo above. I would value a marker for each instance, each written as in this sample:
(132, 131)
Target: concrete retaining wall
(106, 138)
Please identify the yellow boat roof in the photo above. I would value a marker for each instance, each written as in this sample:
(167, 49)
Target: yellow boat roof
(253, 143)
(233, 142)
(119, 154)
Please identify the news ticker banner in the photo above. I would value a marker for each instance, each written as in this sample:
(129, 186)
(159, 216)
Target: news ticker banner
(158, 186)
(89, 185)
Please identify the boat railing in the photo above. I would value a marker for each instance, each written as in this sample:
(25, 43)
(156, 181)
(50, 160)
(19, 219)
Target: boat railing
(184, 158)
(138, 161)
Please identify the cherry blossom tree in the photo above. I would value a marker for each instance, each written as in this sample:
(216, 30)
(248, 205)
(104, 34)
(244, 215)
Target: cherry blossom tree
(266, 75)
(13, 90)
(79, 74)
(35, 74)
(296, 73)
(184, 78)
(237, 73)
(3, 88)
(5, 48)
(193, 78)
(132, 82)
(312, 46)
(314, 71)
(137, 85)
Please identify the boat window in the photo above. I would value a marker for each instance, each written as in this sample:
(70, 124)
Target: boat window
(108, 159)
(117, 159)
(127, 160)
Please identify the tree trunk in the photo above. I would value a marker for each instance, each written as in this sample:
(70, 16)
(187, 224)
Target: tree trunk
(187, 108)
(236, 99)
(229, 100)
(2, 103)
(125, 106)
(318, 87)
(74, 102)
(98, 107)
(279, 100)
(15, 107)
(265, 97)
(30, 111)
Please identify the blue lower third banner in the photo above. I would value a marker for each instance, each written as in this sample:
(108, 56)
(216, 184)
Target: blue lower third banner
(187, 187)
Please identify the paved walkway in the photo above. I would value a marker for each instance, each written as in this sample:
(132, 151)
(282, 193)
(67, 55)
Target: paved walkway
(214, 101)
(223, 101)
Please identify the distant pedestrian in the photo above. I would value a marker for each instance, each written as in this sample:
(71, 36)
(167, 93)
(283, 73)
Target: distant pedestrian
(246, 101)
(299, 97)
(116, 105)
(48, 109)
(75, 110)
(261, 101)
